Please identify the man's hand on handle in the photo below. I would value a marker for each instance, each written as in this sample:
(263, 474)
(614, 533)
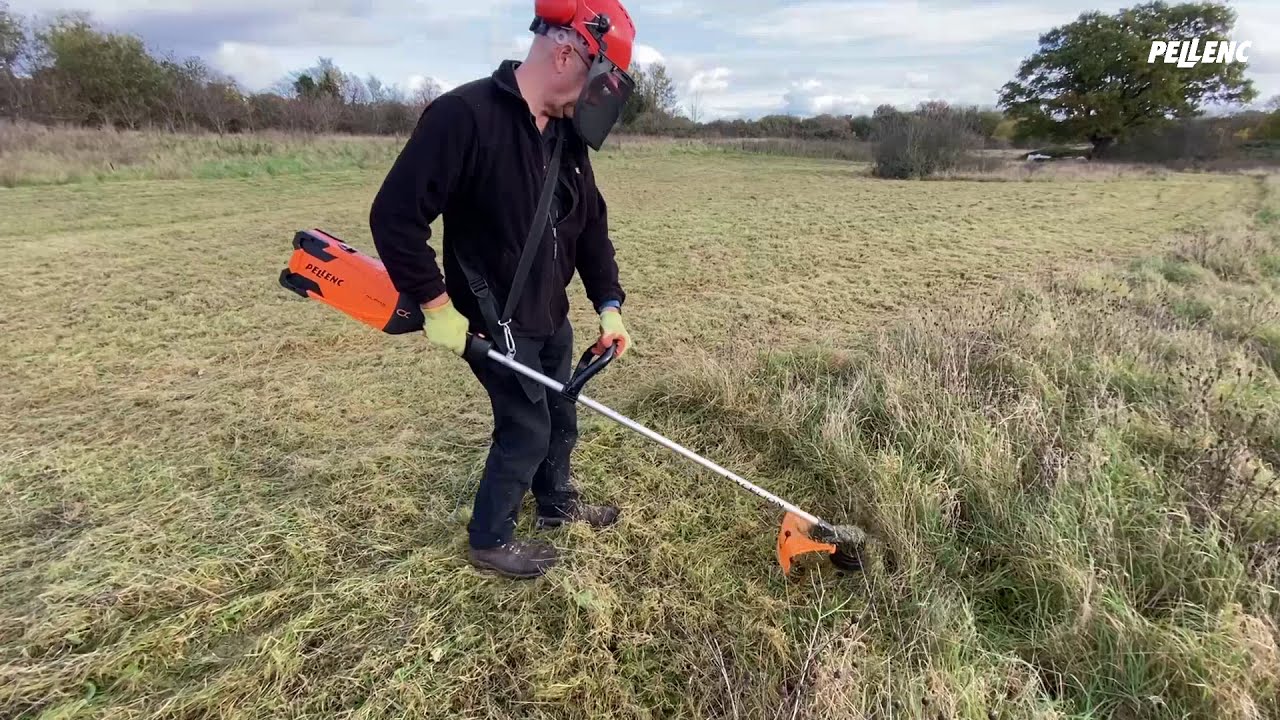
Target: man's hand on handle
(612, 331)
(444, 325)
(447, 328)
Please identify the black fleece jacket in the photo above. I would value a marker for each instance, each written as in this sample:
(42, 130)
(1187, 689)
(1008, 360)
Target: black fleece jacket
(477, 159)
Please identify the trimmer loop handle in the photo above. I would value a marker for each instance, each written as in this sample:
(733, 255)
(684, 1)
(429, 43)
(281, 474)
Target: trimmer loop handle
(478, 350)
(588, 367)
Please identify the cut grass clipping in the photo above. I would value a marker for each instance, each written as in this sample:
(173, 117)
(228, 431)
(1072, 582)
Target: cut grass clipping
(224, 502)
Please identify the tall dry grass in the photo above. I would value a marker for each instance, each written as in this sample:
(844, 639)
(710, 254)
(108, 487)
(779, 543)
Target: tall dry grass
(850, 150)
(32, 154)
(1073, 488)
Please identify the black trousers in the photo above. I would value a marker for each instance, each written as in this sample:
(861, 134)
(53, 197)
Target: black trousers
(534, 432)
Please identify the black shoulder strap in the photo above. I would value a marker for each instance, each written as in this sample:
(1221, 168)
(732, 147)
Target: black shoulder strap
(536, 230)
(500, 326)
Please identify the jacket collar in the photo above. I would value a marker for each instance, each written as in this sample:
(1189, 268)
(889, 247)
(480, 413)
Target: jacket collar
(505, 78)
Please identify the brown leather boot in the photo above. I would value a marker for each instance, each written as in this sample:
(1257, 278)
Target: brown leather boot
(597, 516)
(518, 559)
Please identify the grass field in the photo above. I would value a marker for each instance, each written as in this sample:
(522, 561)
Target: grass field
(1054, 403)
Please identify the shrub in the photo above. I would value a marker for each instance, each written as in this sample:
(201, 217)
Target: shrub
(1221, 143)
(919, 144)
(1191, 140)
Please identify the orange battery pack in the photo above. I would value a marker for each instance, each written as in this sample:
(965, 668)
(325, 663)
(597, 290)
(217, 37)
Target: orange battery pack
(326, 269)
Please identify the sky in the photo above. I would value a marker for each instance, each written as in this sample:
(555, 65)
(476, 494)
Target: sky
(729, 58)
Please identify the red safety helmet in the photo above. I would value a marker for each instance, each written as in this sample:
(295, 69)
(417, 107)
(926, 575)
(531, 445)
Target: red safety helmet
(610, 35)
(597, 21)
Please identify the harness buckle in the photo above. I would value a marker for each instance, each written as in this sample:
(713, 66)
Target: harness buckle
(479, 287)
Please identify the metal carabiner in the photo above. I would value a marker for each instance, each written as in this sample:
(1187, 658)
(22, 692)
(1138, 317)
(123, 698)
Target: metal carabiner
(508, 339)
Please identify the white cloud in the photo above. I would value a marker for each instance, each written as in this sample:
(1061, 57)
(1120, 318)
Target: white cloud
(811, 97)
(520, 46)
(430, 9)
(916, 80)
(256, 67)
(1259, 21)
(830, 22)
(646, 55)
(500, 11)
(709, 81)
(739, 103)
(671, 8)
(417, 82)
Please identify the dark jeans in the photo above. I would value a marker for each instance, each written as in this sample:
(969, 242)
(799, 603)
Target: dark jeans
(534, 432)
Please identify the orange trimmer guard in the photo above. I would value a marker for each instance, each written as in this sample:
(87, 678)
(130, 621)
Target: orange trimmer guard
(793, 540)
(326, 269)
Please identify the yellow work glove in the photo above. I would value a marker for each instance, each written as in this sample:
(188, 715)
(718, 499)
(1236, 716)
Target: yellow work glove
(613, 331)
(446, 327)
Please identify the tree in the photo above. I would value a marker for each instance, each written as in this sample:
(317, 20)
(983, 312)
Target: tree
(378, 93)
(354, 91)
(109, 77)
(695, 107)
(425, 93)
(639, 102)
(1090, 79)
(323, 81)
(825, 127)
(987, 121)
(884, 112)
(861, 126)
(13, 41)
(184, 84)
(222, 107)
(655, 92)
(1268, 126)
(69, 70)
(268, 110)
(662, 90)
(13, 49)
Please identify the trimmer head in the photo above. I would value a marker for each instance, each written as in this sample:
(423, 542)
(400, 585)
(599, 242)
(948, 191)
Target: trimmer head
(842, 543)
(849, 560)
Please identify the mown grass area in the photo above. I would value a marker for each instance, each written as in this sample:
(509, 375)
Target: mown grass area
(222, 501)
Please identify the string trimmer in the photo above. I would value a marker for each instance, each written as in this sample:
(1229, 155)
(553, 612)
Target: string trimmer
(326, 269)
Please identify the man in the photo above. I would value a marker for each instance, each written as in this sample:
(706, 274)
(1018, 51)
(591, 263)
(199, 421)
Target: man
(482, 157)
